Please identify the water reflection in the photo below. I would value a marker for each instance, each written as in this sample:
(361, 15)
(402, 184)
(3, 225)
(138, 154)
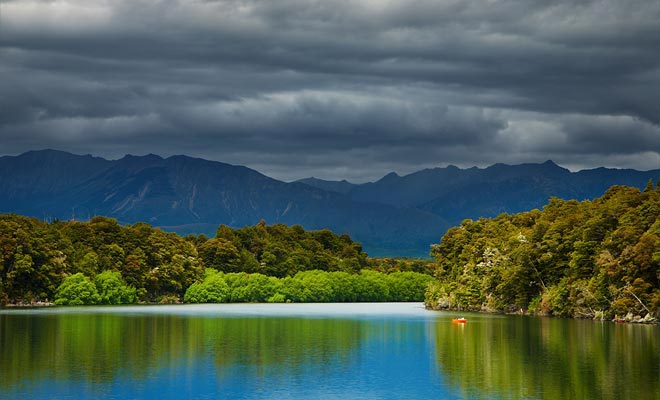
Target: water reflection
(521, 357)
(204, 355)
(95, 347)
(379, 351)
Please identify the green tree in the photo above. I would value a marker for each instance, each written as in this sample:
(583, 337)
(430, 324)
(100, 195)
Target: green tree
(318, 286)
(372, 286)
(89, 264)
(77, 290)
(220, 254)
(251, 288)
(113, 290)
(649, 186)
(213, 289)
(135, 271)
(408, 286)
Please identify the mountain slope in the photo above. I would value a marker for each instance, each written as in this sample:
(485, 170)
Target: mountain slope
(33, 177)
(396, 215)
(192, 195)
(456, 194)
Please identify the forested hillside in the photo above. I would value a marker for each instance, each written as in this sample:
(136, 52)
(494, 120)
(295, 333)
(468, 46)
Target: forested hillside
(593, 259)
(103, 262)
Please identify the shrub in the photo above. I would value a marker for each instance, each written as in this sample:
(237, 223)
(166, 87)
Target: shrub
(113, 290)
(77, 290)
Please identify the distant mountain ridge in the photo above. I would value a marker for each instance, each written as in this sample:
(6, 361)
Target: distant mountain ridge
(342, 186)
(191, 195)
(396, 215)
(456, 194)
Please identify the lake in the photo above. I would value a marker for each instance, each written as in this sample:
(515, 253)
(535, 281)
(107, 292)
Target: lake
(317, 351)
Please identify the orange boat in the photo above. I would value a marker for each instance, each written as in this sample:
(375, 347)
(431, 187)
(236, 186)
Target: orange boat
(459, 320)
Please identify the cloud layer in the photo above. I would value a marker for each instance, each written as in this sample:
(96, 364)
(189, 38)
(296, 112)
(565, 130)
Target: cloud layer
(335, 89)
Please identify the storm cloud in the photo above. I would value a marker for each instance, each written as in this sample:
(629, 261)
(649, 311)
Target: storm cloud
(335, 89)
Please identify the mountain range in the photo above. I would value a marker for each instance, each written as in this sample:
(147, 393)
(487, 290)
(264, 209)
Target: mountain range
(455, 194)
(396, 215)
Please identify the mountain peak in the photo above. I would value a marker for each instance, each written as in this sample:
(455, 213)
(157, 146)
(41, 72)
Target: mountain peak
(146, 157)
(548, 166)
(45, 152)
(51, 154)
(56, 158)
(391, 176)
(139, 162)
(342, 186)
(552, 164)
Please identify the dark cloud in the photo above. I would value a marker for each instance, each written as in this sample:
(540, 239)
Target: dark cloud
(335, 88)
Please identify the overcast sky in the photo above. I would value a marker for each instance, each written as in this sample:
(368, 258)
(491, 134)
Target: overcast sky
(335, 89)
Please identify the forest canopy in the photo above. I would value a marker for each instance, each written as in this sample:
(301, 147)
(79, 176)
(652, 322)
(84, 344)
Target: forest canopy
(103, 262)
(590, 259)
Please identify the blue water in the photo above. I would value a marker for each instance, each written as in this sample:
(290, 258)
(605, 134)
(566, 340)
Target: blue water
(318, 351)
(366, 351)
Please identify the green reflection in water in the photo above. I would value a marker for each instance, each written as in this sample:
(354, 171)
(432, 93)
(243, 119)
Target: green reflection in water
(491, 356)
(97, 347)
(523, 357)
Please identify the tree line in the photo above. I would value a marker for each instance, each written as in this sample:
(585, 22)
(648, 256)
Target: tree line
(309, 287)
(591, 259)
(103, 262)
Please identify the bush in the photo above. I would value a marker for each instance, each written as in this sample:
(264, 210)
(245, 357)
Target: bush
(213, 289)
(408, 286)
(113, 290)
(555, 300)
(77, 290)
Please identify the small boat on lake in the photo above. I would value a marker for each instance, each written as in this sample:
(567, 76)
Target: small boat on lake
(459, 320)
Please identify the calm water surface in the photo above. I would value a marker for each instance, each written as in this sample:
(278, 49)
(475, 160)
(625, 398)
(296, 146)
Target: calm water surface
(366, 351)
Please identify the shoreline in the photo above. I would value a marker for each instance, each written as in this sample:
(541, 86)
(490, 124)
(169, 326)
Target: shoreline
(628, 319)
(45, 304)
(28, 305)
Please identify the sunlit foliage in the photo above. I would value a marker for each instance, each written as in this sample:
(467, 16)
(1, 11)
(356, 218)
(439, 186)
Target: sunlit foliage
(314, 286)
(139, 263)
(593, 259)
